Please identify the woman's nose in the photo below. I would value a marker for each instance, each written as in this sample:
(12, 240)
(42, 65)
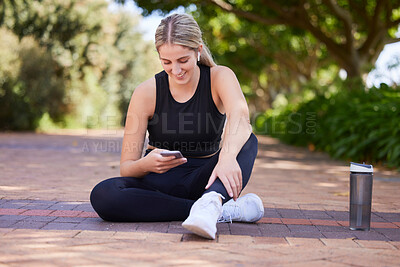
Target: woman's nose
(176, 69)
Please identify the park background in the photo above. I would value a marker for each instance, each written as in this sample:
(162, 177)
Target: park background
(307, 68)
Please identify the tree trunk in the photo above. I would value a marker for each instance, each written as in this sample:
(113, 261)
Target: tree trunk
(352, 68)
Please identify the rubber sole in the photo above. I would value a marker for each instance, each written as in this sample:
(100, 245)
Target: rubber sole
(199, 228)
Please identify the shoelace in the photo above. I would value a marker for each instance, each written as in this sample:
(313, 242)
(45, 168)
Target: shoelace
(234, 212)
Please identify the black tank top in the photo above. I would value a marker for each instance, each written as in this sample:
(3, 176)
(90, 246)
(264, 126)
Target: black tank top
(193, 127)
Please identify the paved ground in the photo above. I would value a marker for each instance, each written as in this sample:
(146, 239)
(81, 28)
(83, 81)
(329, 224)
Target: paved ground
(46, 219)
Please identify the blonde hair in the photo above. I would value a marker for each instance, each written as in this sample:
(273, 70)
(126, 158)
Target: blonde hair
(182, 29)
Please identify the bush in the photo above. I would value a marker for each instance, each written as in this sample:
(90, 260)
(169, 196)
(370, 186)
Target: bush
(356, 125)
(70, 64)
(29, 86)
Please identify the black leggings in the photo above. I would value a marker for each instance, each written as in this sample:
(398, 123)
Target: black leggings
(168, 196)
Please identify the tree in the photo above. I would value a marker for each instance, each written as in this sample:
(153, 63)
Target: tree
(74, 63)
(354, 32)
(267, 62)
(29, 85)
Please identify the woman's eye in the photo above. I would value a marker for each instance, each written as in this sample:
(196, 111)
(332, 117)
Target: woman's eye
(180, 61)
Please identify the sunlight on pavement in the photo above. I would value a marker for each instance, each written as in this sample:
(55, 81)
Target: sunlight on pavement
(289, 165)
(13, 188)
(326, 184)
(90, 164)
(32, 165)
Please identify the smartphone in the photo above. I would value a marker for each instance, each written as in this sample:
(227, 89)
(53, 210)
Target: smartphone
(177, 154)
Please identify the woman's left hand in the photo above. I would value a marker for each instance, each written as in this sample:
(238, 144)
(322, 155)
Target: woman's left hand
(230, 174)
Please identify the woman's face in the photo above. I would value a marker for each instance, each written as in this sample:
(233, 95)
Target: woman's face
(179, 62)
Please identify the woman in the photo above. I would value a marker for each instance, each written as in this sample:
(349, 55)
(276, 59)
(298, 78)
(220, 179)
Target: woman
(184, 108)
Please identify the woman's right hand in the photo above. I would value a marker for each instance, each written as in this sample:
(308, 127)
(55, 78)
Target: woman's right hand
(154, 162)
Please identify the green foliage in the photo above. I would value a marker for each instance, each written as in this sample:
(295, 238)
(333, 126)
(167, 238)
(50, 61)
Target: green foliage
(267, 59)
(278, 46)
(356, 125)
(68, 64)
(29, 86)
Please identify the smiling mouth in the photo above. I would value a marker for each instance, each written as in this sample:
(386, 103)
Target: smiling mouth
(181, 75)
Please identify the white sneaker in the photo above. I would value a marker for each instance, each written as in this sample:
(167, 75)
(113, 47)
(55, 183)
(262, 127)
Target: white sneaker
(204, 215)
(248, 208)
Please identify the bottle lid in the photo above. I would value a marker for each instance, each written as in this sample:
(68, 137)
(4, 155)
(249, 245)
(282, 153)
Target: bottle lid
(358, 167)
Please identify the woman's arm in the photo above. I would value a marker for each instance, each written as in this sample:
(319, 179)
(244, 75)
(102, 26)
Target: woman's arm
(141, 109)
(237, 130)
(137, 117)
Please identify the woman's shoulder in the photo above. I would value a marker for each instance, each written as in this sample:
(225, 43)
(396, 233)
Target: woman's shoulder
(220, 71)
(220, 74)
(144, 98)
(146, 89)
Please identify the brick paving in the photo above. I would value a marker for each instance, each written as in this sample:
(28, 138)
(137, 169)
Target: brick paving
(46, 218)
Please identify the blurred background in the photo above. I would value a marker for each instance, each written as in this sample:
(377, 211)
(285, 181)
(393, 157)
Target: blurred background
(324, 74)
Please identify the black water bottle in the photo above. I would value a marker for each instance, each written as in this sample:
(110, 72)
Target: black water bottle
(360, 196)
